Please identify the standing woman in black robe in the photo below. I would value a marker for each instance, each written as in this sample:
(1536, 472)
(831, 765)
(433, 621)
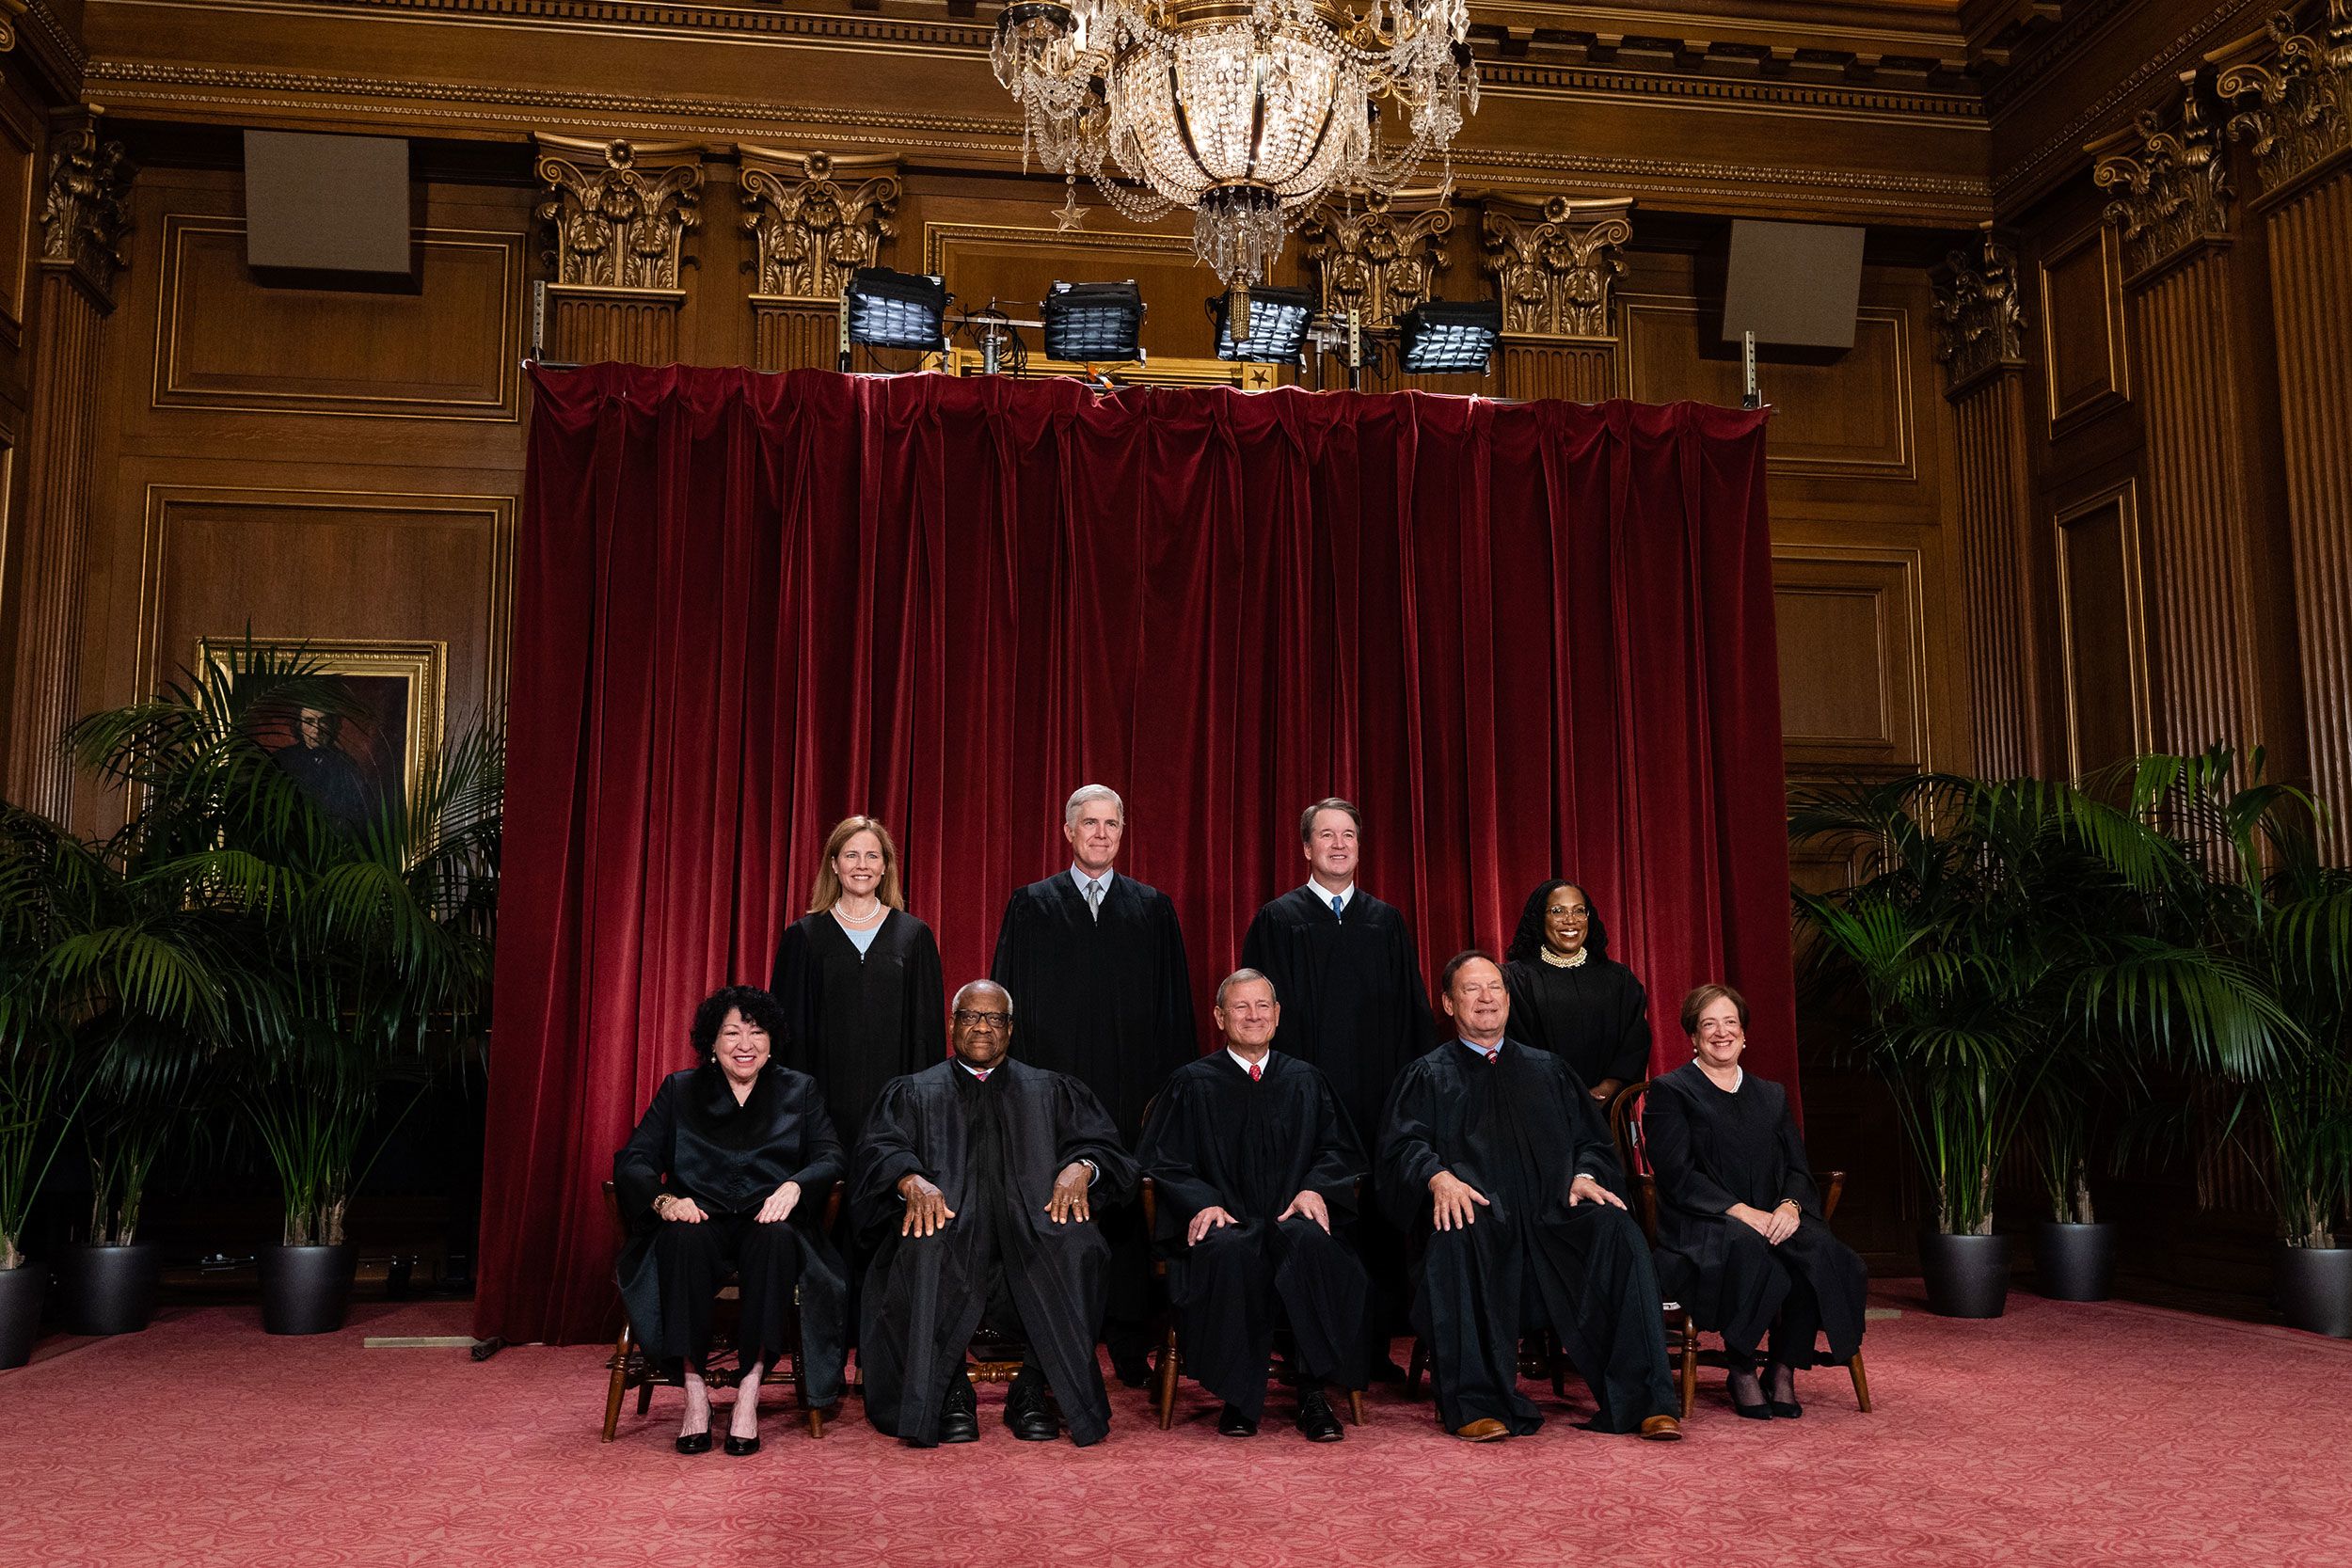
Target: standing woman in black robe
(1570, 997)
(730, 1169)
(1740, 1237)
(859, 977)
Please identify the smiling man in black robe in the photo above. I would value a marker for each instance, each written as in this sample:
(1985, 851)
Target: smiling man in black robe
(1098, 962)
(1353, 1006)
(977, 1184)
(1496, 1161)
(1254, 1159)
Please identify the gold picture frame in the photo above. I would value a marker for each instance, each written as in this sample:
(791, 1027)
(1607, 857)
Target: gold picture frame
(399, 689)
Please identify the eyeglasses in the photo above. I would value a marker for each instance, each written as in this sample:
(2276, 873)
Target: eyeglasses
(977, 1020)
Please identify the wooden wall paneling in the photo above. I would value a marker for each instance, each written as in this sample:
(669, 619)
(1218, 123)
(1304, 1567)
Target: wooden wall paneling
(448, 348)
(2086, 353)
(2296, 89)
(21, 190)
(2103, 629)
(83, 215)
(1853, 623)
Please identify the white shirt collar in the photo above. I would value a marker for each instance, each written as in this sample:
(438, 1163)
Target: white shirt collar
(976, 1071)
(1324, 896)
(1243, 1062)
(1476, 1049)
(1079, 880)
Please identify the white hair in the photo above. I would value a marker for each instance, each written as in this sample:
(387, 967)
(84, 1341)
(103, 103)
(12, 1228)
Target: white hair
(1084, 793)
(982, 984)
(1242, 977)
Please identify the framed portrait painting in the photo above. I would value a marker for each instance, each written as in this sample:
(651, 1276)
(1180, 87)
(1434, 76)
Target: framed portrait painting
(380, 736)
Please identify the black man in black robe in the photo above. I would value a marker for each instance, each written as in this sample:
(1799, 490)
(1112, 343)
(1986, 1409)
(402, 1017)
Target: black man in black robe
(1496, 1159)
(977, 1186)
(1255, 1164)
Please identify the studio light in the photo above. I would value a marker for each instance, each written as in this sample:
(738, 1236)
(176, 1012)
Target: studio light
(1093, 323)
(897, 309)
(1443, 336)
(1274, 330)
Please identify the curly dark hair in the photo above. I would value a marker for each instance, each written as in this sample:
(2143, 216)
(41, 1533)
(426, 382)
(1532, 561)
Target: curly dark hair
(1530, 936)
(756, 1006)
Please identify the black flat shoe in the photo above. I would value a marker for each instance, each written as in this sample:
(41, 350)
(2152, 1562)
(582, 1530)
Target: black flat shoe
(1317, 1422)
(1230, 1422)
(1787, 1410)
(739, 1447)
(695, 1442)
(1134, 1372)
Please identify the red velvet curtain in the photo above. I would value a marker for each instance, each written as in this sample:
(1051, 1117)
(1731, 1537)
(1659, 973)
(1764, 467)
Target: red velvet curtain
(1529, 641)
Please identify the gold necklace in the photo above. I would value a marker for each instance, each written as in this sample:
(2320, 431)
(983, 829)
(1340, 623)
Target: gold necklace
(1572, 962)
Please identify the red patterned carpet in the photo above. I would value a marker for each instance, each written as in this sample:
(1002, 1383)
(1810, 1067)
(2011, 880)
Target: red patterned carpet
(2081, 1435)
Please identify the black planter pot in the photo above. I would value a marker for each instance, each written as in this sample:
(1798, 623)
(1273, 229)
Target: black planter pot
(2314, 1289)
(306, 1290)
(1968, 1277)
(108, 1289)
(22, 1291)
(2074, 1262)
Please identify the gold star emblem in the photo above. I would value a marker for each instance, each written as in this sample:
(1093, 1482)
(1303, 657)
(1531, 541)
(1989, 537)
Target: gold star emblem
(1070, 215)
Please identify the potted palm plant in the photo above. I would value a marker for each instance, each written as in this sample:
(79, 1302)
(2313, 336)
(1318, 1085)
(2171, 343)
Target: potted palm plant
(365, 947)
(2074, 1250)
(2008, 937)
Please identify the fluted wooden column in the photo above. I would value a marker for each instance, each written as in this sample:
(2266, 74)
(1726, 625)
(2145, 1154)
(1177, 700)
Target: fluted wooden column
(2297, 89)
(618, 213)
(813, 219)
(1379, 257)
(1980, 340)
(2173, 209)
(82, 221)
(1556, 266)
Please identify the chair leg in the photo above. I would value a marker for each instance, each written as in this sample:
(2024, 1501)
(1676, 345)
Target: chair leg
(1861, 1382)
(618, 1384)
(1414, 1366)
(644, 1398)
(1169, 1365)
(1355, 1406)
(1690, 1378)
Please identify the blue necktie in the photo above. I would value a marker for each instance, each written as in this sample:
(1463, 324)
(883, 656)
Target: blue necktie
(1339, 911)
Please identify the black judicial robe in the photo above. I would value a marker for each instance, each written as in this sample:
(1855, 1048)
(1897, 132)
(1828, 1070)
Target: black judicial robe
(1350, 985)
(925, 1295)
(728, 1158)
(1595, 1017)
(1520, 1130)
(860, 1020)
(1712, 1148)
(1107, 1001)
(1217, 1138)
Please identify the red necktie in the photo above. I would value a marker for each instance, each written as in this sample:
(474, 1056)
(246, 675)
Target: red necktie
(1492, 1054)
(1255, 1068)
(981, 1073)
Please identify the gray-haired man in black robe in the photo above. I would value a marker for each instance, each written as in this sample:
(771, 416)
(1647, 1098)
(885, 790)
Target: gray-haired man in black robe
(1255, 1164)
(1495, 1162)
(977, 1183)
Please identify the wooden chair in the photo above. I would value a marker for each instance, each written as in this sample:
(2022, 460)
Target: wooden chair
(1624, 1126)
(632, 1369)
(1172, 1354)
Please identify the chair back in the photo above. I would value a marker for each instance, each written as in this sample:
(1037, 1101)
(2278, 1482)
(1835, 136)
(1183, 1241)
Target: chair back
(1624, 1130)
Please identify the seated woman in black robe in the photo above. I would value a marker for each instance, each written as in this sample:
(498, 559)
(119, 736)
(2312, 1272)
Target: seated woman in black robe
(1570, 997)
(729, 1171)
(1740, 1238)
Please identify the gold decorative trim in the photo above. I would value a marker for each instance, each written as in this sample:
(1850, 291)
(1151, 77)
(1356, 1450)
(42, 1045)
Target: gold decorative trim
(815, 218)
(2173, 183)
(1980, 320)
(2302, 119)
(506, 408)
(2119, 387)
(963, 360)
(422, 662)
(1556, 264)
(86, 209)
(1379, 259)
(2125, 499)
(615, 224)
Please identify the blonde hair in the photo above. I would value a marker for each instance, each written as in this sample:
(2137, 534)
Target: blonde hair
(828, 889)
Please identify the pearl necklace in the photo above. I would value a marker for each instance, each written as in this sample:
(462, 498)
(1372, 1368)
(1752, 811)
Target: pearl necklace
(880, 910)
(1572, 962)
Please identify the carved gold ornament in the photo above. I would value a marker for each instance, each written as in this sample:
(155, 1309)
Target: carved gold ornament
(815, 218)
(619, 211)
(1557, 264)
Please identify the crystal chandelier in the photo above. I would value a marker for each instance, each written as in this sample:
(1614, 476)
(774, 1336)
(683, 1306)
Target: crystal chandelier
(1244, 111)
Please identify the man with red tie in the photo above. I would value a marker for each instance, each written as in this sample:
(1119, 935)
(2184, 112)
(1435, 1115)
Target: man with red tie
(1497, 1164)
(1256, 1164)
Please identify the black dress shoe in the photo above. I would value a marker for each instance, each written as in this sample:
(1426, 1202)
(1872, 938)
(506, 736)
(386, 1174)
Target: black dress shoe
(1755, 1410)
(1317, 1422)
(695, 1442)
(960, 1413)
(1230, 1422)
(1027, 1413)
(739, 1447)
(1133, 1370)
(1387, 1370)
(1788, 1409)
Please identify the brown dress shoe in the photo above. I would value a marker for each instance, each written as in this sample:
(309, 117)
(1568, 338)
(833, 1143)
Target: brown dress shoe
(1483, 1431)
(1661, 1429)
